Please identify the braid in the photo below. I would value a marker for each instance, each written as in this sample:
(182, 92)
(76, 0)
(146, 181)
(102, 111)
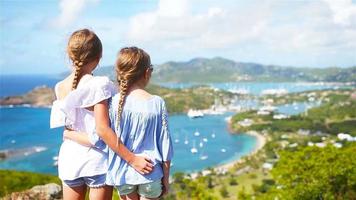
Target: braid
(83, 47)
(131, 65)
(123, 92)
(77, 74)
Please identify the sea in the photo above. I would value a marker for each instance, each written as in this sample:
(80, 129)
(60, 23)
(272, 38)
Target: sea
(25, 132)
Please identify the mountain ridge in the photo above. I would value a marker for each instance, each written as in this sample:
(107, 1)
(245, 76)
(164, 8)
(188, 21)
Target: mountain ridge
(219, 69)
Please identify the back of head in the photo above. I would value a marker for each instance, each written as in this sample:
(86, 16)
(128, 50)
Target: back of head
(131, 64)
(84, 46)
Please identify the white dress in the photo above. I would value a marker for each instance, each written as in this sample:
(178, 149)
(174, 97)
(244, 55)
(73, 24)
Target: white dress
(75, 160)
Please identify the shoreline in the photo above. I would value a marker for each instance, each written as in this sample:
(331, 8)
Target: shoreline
(261, 140)
(260, 143)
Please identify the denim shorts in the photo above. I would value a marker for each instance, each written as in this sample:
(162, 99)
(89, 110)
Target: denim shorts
(147, 190)
(90, 181)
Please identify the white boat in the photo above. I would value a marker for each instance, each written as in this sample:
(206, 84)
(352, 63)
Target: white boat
(213, 135)
(196, 133)
(205, 139)
(268, 108)
(176, 140)
(203, 157)
(193, 149)
(280, 116)
(195, 113)
(223, 150)
(242, 91)
(186, 140)
(274, 92)
(201, 144)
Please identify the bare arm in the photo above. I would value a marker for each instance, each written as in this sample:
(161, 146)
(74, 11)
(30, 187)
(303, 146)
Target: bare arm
(81, 138)
(165, 180)
(141, 164)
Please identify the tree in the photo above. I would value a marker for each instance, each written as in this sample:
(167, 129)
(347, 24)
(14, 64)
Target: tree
(223, 191)
(315, 173)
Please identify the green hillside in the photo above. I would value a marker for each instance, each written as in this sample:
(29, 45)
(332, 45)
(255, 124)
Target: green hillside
(204, 70)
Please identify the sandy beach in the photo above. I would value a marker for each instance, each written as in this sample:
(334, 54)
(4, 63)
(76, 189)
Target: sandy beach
(260, 143)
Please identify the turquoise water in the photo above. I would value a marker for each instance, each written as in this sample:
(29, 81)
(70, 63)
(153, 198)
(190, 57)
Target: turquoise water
(27, 130)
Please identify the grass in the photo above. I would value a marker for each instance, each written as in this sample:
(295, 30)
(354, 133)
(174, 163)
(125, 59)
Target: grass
(15, 181)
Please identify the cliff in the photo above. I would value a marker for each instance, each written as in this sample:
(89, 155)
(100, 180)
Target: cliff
(41, 96)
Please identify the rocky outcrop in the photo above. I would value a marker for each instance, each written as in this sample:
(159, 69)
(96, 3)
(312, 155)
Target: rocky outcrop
(49, 191)
(41, 96)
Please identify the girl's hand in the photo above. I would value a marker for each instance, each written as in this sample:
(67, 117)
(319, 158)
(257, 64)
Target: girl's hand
(165, 186)
(66, 134)
(141, 164)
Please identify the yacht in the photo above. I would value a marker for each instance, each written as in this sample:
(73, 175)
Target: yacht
(213, 135)
(186, 140)
(195, 113)
(194, 149)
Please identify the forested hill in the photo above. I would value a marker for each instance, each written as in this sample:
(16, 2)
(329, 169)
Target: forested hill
(203, 70)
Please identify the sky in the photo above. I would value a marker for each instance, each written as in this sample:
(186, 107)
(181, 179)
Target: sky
(301, 33)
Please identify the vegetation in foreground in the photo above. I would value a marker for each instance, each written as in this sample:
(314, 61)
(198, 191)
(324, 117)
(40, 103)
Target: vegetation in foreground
(15, 181)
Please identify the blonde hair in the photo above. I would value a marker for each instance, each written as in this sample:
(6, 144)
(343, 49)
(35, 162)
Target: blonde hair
(131, 64)
(84, 46)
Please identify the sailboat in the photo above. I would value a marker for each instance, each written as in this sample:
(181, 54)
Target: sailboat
(194, 149)
(186, 139)
(203, 156)
(213, 135)
(55, 163)
(201, 144)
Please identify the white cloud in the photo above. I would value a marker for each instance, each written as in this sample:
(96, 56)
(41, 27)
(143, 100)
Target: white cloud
(70, 10)
(343, 11)
(277, 32)
(174, 24)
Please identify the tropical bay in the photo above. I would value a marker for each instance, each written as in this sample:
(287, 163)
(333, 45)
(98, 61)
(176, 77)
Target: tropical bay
(230, 99)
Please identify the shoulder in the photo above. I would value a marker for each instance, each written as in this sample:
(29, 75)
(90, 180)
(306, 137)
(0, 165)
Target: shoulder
(61, 89)
(99, 81)
(159, 101)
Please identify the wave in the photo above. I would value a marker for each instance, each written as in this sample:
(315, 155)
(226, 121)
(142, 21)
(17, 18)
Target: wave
(10, 153)
(24, 106)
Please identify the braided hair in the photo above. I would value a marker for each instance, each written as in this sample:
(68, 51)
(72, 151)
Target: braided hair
(84, 46)
(131, 65)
